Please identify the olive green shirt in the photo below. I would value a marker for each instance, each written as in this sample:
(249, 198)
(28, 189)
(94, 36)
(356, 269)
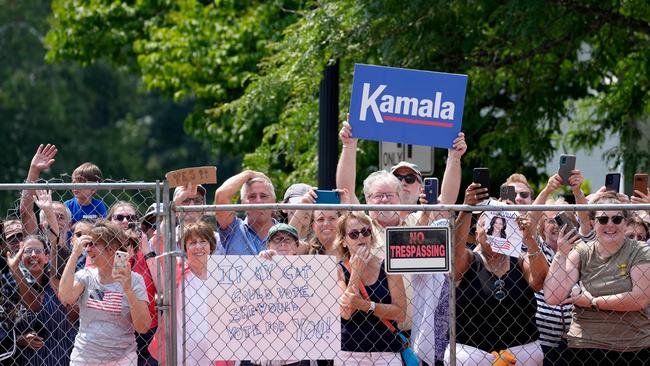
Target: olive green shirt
(612, 330)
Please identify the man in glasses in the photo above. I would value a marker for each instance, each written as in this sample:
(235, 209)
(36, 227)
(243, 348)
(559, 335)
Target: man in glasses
(523, 191)
(247, 236)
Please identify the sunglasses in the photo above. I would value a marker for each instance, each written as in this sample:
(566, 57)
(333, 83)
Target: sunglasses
(500, 292)
(523, 194)
(279, 239)
(90, 244)
(193, 201)
(37, 251)
(128, 218)
(409, 178)
(365, 232)
(603, 220)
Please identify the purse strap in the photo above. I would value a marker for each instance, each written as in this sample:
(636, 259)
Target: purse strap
(364, 293)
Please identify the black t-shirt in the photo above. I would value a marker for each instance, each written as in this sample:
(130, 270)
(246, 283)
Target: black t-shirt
(490, 324)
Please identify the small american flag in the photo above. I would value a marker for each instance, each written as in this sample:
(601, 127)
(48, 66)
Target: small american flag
(111, 302)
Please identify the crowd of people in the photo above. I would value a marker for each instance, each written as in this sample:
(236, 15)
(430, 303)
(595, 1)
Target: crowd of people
(577, 291)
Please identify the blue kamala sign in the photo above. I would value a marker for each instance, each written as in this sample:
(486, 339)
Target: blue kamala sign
(407, 106)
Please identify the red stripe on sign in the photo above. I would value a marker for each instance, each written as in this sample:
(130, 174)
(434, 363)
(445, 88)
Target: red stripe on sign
(112, 302)
(418, 121)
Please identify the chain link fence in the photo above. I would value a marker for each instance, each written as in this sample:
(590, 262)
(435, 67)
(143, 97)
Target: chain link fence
(528, 285)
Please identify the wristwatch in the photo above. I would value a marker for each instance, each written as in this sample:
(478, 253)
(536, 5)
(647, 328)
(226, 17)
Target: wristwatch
(149, 255)
(373, 305)
(593, 304)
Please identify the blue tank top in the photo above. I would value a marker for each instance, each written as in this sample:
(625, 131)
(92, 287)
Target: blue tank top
(367, 333)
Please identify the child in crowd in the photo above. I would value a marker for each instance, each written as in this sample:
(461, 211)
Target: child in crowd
(83, 206)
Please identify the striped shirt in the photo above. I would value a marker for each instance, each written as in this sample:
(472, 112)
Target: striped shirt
(552, 320)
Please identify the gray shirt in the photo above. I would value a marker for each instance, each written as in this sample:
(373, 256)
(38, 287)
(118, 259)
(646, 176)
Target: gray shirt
(105, 328)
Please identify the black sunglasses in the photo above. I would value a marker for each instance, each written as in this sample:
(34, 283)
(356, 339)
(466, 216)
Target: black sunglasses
(128, 218)
(365, 232)
(524, 194)
(500, 292)
(603, 220)
(409, 178)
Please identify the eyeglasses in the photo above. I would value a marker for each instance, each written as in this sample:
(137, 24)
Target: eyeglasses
(604, 220)
(129, 218)
(193, 201)
(60, 216)
(500, 292)
(200, 243)
(409, 178)
(37, 251)
(278, 239)
(523, 194)
(365, 232)
(380, 196)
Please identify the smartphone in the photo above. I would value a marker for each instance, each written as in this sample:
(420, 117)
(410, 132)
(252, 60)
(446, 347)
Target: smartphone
(431, 190)
(331, 197)
(482, 176)
(561, 219)
(613, 182)
(508, 193)
(120, 261)
(641, 183)
(567, 164)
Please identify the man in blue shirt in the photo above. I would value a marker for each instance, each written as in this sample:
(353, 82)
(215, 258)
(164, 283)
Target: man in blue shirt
(245, 237)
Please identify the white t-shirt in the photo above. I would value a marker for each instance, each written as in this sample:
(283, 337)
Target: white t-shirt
(196, 327)
(105, 327)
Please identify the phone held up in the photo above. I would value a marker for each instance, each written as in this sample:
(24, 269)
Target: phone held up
(508, 193)
(567, 164)
(613, 182)
(482, 176)
(562, 219)
(330, 197)
(431, 190)
(641, 183)
(120, 261)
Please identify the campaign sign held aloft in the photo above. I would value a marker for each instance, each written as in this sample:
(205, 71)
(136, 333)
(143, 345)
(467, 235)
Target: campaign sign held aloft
(407, 106)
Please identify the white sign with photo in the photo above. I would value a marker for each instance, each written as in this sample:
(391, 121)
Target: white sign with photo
(503, 233)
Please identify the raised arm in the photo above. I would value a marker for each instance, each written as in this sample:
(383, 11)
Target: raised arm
(225, 194)
(554, 182)
(28, 294)
(139, 309)
(43, 200)
(346, 169)
(564, 270)
(42, 160)
(534, 264)
(69, 288)
(474, 194)
(575, 181)
(451, 178)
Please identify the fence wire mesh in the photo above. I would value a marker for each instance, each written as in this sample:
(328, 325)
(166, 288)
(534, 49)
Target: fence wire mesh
(529, 285)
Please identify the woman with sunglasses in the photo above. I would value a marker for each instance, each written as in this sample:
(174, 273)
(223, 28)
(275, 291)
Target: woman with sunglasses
(126, 216)
(47, 334)
(113, 302)
(610, 325)
(371, 298)
(495, 298)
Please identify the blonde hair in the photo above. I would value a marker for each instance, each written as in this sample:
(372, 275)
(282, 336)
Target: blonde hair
(520, 178)
(109, 233)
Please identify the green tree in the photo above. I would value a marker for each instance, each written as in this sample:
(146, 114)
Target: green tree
(255, 68)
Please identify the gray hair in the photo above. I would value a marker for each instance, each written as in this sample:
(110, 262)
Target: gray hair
(259, 179)
(68, 214)
(380, 176)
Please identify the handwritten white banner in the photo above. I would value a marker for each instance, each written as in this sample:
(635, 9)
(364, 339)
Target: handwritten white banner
(285, 309)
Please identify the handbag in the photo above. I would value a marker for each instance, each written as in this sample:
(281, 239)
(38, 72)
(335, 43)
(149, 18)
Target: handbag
(409, 357)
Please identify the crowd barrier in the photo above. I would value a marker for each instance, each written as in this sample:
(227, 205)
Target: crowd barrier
(285, 309)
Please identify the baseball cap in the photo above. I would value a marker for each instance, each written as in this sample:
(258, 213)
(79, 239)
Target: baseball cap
(199, 188)
(150, 215)
(406, 164)
(12, 228)
(295, 190)
(281, 227)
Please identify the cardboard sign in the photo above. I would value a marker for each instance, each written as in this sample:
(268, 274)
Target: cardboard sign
(407, 106)
(418, 249)
(503, 232)
(285, 309)
(197, 175)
